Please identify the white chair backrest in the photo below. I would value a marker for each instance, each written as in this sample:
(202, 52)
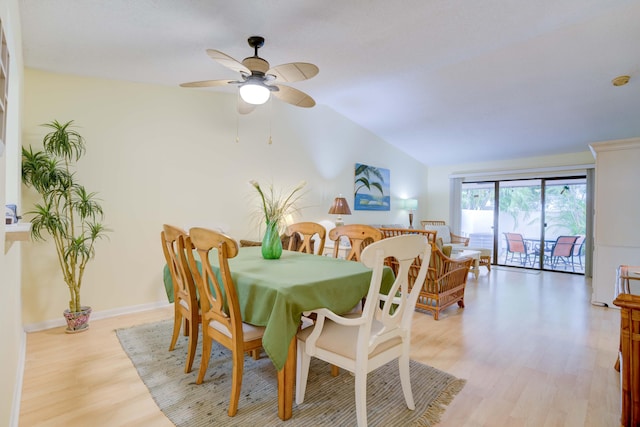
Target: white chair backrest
(399, 302)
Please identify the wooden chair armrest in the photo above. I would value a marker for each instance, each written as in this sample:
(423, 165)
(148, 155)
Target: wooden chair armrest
(455, 264)
(459, 239)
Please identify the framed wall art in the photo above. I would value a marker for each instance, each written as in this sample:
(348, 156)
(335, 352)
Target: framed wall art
(371, 191)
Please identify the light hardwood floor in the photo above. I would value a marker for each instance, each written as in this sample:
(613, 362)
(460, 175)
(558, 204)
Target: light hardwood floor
(532, 348)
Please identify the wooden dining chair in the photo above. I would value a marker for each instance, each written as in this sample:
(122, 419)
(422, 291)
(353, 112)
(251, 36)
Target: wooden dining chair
(381, 334)
(359, 236)
(306, 231)
(221, 318)
(185, 297)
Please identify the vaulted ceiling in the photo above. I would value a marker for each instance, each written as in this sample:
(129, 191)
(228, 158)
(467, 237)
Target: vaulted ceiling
(447, 81)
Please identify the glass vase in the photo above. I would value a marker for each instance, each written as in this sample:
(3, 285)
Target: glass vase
(271, 243)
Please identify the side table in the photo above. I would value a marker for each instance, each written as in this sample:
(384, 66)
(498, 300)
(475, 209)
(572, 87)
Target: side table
(468, 253)
(629, 358)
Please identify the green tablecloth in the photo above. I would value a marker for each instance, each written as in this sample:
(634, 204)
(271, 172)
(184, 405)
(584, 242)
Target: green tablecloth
(275, 293)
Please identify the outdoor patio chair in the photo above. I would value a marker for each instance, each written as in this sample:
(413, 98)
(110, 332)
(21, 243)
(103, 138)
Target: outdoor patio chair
(516, 246)
(578, 252)
(562, 250)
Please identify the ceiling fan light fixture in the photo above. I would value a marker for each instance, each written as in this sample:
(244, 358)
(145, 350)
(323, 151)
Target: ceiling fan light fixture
(253, 93)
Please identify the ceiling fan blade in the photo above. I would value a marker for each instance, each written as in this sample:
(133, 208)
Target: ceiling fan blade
(293, 96)
(294, 71)
(244, 107)
(208, 83)
(227, 61)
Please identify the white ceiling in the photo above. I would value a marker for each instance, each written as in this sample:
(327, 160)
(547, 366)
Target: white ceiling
(447, 81)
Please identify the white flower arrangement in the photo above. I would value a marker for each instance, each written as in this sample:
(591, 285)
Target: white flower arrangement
(275, 205)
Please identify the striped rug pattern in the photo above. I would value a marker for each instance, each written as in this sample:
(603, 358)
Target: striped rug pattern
(329, 401)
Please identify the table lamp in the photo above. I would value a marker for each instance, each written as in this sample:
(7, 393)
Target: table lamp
(411, 205)
(340, 207)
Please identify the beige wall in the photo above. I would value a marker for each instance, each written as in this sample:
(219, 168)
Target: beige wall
(159, 154)
(438, 177)
(11, 334)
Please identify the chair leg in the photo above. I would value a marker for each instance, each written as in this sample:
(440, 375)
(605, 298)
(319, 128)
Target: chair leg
(193, 344)
(236, 381)
(361, 395)
(302, 372)
(177, 323)
(405, 380)
(206, 355)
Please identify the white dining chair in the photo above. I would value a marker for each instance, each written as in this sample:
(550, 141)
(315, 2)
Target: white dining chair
(378, 335)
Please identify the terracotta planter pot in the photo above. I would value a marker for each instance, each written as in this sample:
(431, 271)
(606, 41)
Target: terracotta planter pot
(77, 321)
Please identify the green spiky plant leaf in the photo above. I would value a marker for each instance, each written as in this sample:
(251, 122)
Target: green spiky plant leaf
(66, 212)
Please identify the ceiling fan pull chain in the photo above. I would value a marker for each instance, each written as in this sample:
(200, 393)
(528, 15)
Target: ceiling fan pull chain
(270, 120)
(237, 123)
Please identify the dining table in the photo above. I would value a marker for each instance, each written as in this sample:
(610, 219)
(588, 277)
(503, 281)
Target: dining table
(274, 293)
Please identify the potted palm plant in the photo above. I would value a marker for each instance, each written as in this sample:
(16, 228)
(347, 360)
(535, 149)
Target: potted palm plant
(67, 212)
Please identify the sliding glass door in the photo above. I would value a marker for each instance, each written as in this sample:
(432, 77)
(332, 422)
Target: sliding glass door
(529, 223)
(565, 213)
(519, 220)
(478, 202)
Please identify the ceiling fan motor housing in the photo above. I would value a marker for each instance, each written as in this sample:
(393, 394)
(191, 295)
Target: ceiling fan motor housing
(256, 64)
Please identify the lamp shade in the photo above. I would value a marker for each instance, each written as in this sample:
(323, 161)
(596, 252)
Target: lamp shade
(411, 204)
(340, 207)
(253, 93)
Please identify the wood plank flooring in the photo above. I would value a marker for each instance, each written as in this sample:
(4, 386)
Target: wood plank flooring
(532, 348)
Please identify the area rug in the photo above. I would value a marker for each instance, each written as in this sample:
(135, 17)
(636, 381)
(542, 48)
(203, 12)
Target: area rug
(329, 401)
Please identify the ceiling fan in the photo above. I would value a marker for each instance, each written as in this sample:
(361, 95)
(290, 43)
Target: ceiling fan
(258, 81)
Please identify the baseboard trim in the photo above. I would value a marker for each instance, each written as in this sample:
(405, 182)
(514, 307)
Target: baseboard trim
(17, 392)
(96, 315)
(522, 270)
